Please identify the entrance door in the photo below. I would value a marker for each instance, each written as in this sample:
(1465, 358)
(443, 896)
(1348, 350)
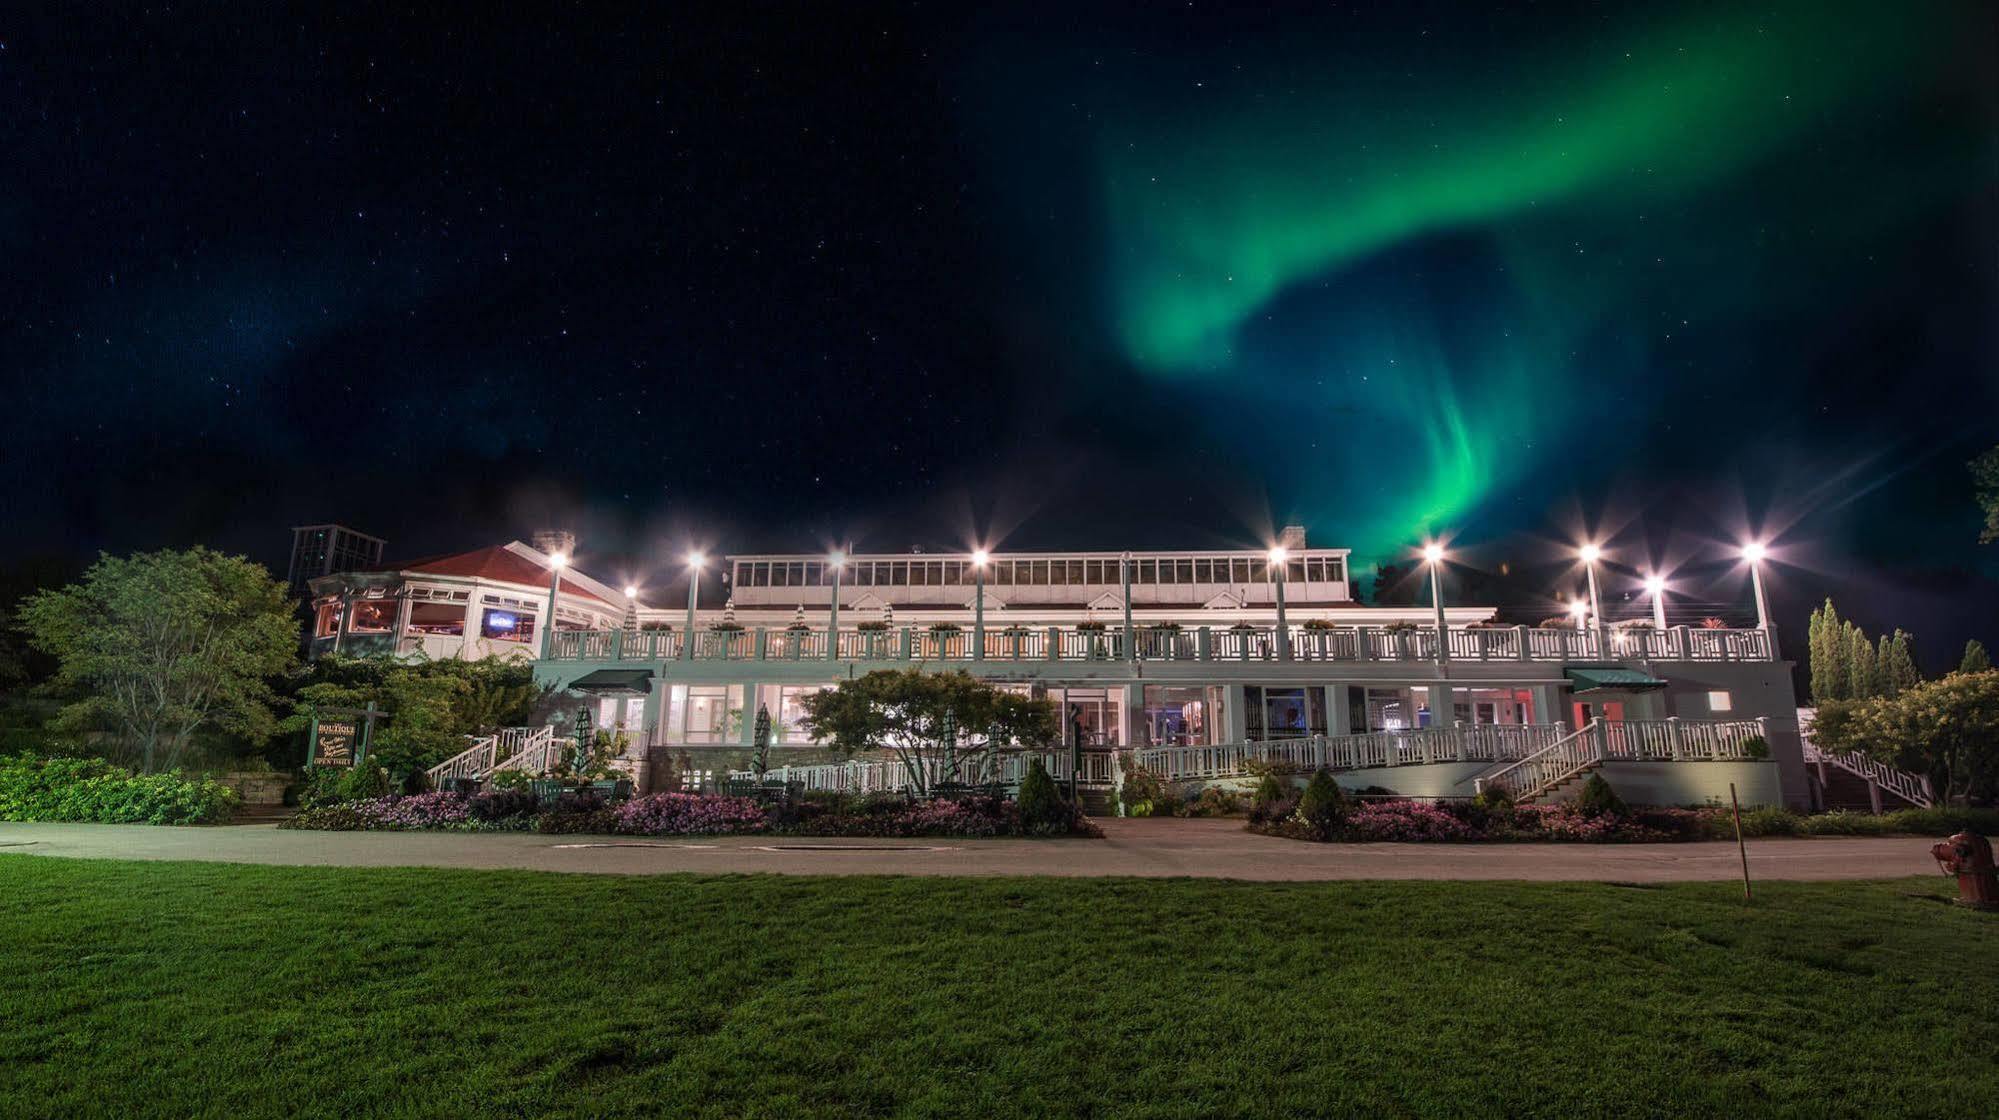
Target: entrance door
(1610, 711)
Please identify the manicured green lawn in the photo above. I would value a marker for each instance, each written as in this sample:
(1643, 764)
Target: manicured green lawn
(206, 989)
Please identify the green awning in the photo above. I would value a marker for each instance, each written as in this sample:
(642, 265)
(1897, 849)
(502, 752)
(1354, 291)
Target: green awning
(1612, 677)
(614, 681)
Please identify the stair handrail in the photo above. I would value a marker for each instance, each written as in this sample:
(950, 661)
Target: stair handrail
(1910, 787)
(472, 762)
(532, 754)
(1563, 753)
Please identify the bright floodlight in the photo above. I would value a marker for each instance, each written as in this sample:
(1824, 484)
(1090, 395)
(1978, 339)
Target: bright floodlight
(837, 559)
(1577, 607)
(1654, 585)
(1433, 553)
(979, 557)
(1278, 554)
(696, 560)
(1590, 553)
(631, 592)
(1754, 552)
(558, 560)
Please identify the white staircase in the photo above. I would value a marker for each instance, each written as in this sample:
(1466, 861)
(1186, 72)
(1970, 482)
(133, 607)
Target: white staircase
(1879, 776)
(511, 748)
(1570, 758)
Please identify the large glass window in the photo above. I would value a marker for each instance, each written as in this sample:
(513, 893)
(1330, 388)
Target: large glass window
(1101, 711)
(506, 625)
(372, 616)
(1388, 710)
(1176, 717)
(787, 709)
(437, 618)
(326, 621)
(711, 718)
(1284, 713)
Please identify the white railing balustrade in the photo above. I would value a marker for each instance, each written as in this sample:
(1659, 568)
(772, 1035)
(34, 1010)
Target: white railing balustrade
(1015, 642)
(1913, 788)
(1548, 767)
(510, 748)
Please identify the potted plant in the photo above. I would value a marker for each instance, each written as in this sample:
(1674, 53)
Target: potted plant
(1320, 624)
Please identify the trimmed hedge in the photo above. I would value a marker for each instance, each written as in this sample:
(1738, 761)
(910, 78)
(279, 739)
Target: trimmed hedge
(91, 790)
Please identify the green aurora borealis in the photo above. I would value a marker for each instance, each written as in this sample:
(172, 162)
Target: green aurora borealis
(1429, 273)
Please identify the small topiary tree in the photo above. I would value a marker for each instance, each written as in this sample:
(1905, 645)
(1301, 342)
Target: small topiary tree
(1597, 799)
(1494, 800)
(1041, 806)
(1323, 803)
(1269, 791)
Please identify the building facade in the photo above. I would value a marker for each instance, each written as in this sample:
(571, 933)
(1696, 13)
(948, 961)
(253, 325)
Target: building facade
(1170, 654)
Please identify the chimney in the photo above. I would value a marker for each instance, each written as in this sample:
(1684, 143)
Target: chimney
(550, 542)
(1292, 536)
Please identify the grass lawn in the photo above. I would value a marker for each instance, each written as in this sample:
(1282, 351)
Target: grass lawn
(208, 989)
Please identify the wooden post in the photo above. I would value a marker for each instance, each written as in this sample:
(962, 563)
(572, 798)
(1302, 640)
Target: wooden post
(1740, 848)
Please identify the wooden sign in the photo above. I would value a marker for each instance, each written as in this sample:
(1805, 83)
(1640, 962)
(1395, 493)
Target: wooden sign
(333, 742)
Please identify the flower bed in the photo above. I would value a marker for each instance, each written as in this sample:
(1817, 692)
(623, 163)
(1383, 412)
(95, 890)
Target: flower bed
(1466, 821)
(93, 791)
(686, 814)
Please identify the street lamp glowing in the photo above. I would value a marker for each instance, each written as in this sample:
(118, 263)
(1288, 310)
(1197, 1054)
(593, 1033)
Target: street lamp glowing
(558, 561)
(979, 558)
(1578, 608)
(1590, 553)
(631, 592)
(1755, 551)
(1433, 553)
(1654, 586)
(837, 559)
(696, 560)
(1277, 555)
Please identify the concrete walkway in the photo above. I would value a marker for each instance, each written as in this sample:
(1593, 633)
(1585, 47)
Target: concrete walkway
(1217, 849)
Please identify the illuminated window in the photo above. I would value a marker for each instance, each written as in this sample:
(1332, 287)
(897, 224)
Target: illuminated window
(506, 626)
(437, 618)
(327, 621)
(1720, 702)
(372, 617)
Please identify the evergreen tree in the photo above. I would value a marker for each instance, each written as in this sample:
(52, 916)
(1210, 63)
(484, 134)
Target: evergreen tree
(1825, 651)
(1975, 658)
(1895, 665)
(1862, 680)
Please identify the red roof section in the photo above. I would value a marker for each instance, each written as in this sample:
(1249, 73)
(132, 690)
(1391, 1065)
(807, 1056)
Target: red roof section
(501, 565)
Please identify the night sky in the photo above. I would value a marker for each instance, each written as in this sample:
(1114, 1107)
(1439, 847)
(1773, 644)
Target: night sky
(756, 278)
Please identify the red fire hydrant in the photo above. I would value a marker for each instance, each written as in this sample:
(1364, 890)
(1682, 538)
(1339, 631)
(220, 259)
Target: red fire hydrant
(1969, 857)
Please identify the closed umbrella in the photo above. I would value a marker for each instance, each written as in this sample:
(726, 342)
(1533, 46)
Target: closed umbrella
(761, 761)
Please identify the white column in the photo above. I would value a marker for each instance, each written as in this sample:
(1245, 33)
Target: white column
(470, 648)
(1134, 714)
(1443, 706)
(1339, 714)
(1236, 715)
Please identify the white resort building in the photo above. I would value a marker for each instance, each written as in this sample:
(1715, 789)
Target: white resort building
(1195, 664)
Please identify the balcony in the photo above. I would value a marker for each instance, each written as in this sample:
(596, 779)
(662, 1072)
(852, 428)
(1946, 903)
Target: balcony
(1046, 644)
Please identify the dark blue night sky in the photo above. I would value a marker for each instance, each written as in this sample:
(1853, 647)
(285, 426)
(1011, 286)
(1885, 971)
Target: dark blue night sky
(1070, 278)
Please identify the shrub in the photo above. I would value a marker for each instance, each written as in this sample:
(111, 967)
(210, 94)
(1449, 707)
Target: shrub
(502, 804)
(1598, 799)
(333, 817)
(510, 779)
(676, 814)
(1269, 791)
(1323, 804)
(1041, 805)
(1942, 822)
(597, 821)
(1141, 789)
(416, 811)
(360, 782)
(91, 790)
(1404, 821)
(1756, 747)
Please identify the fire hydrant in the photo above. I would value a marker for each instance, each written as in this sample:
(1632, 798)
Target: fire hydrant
(1969, 857)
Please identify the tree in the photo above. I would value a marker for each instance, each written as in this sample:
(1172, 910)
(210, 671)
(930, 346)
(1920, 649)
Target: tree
(1895, 669)
(1975, 658)
(1862, 679)
(1985, 476)
(1825, 652)
(907, 712)
(1947, 729)
(159, 644)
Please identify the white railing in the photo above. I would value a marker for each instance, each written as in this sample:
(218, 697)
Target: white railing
(1548, 767)
(472, 762)
(890, 775)
(1351, 752)
(1913, 788)
(533, 749)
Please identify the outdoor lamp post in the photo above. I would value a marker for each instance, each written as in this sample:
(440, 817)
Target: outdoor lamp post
(1590, 554)
(555, 565)
(1124, 594)
(1655, 586)
(695, 562)
(979, 559)
(1755, 552)
(1277, 557)
(1433, 555)
(836, 562)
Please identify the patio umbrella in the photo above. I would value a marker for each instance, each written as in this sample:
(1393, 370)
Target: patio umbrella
(760, 762)
(950, 737)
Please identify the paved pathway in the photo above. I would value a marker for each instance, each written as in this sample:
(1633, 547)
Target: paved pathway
(1217, 849)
